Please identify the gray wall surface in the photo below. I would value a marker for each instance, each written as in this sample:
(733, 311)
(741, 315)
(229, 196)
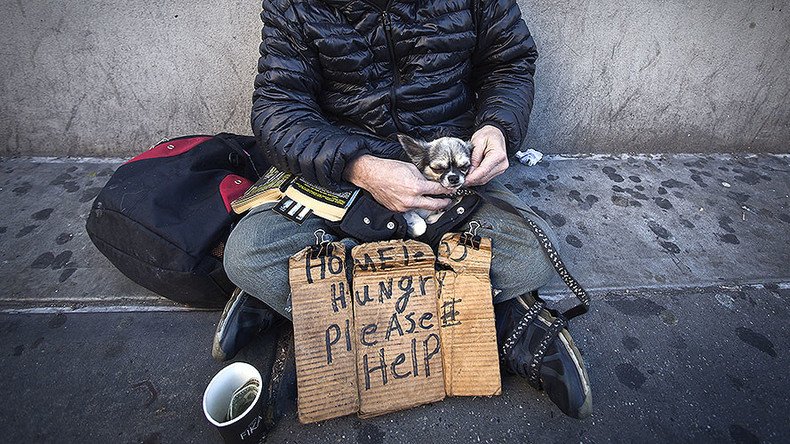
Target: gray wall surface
(111, 77)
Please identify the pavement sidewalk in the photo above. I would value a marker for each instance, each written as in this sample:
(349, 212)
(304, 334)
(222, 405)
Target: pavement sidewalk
(685, 256)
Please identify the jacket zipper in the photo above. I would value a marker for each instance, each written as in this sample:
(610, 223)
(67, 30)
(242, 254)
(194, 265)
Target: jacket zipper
(387, 24)
(394, 65)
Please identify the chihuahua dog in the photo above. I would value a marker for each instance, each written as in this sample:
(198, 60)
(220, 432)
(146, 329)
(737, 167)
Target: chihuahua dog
(445, 160)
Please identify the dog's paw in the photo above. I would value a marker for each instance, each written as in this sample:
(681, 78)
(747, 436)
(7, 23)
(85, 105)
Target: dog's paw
(416, 224)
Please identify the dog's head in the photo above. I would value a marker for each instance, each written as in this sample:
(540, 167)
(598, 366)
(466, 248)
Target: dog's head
(445, 160)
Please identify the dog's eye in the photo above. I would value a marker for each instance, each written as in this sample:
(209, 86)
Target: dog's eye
(464, 168)
(437, 170)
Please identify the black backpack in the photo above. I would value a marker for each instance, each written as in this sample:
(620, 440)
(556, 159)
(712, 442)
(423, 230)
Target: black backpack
(164, 216)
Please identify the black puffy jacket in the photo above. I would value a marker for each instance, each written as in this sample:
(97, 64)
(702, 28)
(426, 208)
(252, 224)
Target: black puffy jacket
(340, 78)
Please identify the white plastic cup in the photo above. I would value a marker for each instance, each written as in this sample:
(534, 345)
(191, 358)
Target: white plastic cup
(245, 428)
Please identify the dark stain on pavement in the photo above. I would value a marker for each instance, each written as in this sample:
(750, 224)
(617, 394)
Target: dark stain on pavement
(44, 260)
(741, 435)
(724, 223)
(698, 179)
(622, 201)
(61, 179)
(43, 214)
(573, 241)
(698, 163)
(632, 192)
(57, 321)
(738, 197)
(701, 172)
(23, 188)
(728, 238)
(114, 349)
(18, 350)
(61, 260)
(63, 238)
(750, 177)
(635, 179)
(629, 376)
(579, 178)
(663, 203)
(24, 231)
(672, 183)
(631, 343)
(639, 307)
(756, 340)
(585, 203)
(65, 274)
(686, 223)
(531, 183)
(662, 191)
(611, 173)
(658, 230)
(71, 187)
(652, 167)
(784, 217)
(670, 247)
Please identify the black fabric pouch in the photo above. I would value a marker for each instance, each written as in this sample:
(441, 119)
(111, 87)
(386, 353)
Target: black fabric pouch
(453, 218)
(368, 221)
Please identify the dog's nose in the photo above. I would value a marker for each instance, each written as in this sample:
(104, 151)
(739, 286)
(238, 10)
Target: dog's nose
(453, 179)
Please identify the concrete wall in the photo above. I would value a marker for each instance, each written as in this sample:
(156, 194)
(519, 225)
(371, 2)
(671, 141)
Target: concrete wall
(110, 78)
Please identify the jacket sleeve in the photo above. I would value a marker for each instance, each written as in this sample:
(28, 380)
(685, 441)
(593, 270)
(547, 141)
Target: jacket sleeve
(286, 117)
(504, 66)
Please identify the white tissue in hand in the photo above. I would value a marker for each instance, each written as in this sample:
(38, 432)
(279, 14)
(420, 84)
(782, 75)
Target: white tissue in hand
(529, 157)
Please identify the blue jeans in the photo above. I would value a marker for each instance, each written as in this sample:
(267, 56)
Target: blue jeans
(258, 249)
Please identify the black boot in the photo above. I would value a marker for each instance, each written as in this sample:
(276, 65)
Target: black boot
(535, 344)
(243, 318)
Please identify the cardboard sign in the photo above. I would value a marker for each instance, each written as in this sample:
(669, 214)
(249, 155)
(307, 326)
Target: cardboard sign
(399, 356)
(466, 316)
(323, 334)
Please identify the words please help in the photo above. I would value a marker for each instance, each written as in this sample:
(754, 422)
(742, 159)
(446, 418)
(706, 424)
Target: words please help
(379, 343)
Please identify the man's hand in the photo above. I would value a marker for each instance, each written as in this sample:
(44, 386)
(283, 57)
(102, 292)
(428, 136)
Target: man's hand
(397, 185)
(489, 157)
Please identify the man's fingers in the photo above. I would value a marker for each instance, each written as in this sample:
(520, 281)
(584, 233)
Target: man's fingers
(431, 203)
(430, 187)
(474, 177)
(478, 151)
(481, 173)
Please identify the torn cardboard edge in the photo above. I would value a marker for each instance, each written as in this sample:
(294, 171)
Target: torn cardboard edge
(466, 311)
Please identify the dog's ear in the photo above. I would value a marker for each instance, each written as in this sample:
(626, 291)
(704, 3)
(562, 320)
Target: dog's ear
(416, 149)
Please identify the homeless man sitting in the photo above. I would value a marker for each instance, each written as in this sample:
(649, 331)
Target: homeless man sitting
(337, 82)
